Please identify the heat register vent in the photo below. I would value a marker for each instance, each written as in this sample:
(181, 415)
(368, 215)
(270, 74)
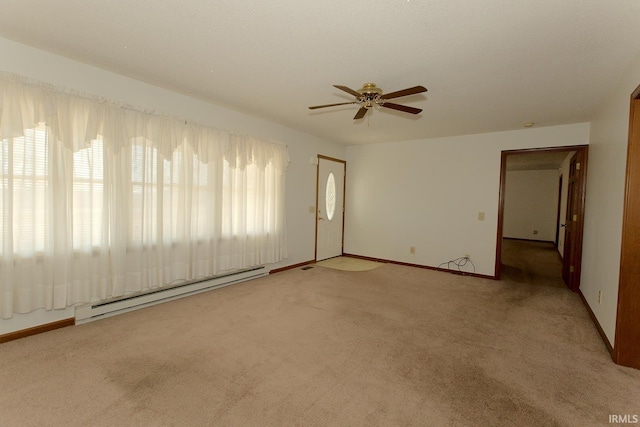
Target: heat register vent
(102, 309)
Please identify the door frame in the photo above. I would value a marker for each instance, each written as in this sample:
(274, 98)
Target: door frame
(626, 346)
(344, 199)
(582, 155)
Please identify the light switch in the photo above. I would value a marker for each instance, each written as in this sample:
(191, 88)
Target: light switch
(312, 209)
(480, 216)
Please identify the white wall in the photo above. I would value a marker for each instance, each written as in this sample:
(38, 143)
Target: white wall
(605, 200)
(301, 175)
(428, 193)
(531, 204)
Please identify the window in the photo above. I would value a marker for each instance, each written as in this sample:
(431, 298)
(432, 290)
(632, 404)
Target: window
(89, 219)
(158, 193)
(330, 196)
(24, 204)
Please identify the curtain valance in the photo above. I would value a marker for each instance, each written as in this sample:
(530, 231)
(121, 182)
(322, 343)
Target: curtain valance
(75, 121)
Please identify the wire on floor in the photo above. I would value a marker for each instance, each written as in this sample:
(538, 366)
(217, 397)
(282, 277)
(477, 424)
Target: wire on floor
(459, 264)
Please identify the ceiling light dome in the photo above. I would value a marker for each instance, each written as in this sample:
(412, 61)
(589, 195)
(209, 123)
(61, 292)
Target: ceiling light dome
(370, 88)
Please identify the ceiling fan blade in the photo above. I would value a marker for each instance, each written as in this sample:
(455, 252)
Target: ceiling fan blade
(361, 112)
(403, 108)
(331, 105)
(348, 90)
(404, 92)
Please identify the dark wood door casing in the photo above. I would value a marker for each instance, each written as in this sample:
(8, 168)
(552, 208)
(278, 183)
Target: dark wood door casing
(580, 190)
(626, 350)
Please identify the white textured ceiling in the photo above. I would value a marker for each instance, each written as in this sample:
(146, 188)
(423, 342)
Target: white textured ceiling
(489, 65)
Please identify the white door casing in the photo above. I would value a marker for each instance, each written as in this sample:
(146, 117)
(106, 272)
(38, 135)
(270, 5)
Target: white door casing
(329, 208)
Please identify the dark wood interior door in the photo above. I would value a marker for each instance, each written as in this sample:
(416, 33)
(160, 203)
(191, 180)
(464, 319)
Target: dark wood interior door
(557, 241)
(571, 226)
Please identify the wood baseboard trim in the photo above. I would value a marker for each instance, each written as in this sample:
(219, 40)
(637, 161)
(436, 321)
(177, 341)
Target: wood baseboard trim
(530, 240)
(426, 267)
(291, 267)
(598, 327)
(37, 330)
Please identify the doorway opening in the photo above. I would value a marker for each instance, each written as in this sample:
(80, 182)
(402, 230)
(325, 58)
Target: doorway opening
(522, 215)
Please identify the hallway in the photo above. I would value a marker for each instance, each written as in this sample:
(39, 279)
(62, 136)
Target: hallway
(532, 263)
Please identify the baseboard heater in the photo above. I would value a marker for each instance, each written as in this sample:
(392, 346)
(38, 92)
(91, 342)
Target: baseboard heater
(102, 309)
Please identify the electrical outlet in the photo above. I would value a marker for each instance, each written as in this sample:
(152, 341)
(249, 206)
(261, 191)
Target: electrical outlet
(412, 250)
(535, 231)
(599, 297)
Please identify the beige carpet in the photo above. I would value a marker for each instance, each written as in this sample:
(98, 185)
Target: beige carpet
(392, 346)
(345, 263)
(531, 263)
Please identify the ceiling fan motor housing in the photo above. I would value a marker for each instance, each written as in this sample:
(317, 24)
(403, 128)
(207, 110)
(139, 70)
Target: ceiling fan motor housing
(370, 93)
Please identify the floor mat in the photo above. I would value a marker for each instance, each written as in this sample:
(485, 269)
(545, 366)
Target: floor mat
(349, 264)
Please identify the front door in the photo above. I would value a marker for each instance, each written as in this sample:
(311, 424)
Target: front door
(329, 208)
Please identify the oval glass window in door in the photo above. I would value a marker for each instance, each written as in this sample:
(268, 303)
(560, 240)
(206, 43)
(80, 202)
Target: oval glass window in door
(330, 196)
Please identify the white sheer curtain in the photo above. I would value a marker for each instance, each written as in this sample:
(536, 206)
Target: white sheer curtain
(100, 201)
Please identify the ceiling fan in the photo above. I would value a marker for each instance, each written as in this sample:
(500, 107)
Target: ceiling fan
(371, 95)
